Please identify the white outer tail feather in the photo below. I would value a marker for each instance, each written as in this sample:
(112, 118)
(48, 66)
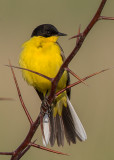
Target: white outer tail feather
(78, 125)
(46, 130)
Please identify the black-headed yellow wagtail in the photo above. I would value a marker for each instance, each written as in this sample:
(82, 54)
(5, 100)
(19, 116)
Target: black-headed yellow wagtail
(43, 54)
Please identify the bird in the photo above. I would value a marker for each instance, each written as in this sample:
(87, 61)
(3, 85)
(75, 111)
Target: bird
(43, 54)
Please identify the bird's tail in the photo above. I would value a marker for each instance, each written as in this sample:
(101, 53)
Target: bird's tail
(68, 125)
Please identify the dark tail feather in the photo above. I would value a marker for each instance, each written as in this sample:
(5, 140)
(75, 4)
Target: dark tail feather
(61, 125)
(59, 130)
(56, 130)
(69, 127)
(52, 129)
(69, 124)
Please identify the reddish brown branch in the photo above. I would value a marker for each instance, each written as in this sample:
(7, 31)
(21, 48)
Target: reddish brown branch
(74, 52)
(6, 99)
(78, 34)
(19, 151)
(26, 149)
(6, 153)
(20, 97)
(42, 75)
(75, 75)
(47, 149)
(33, 127)
(106, 18)
(78, 82)
(95, 18)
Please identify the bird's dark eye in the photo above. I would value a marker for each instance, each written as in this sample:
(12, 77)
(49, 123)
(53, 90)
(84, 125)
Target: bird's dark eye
(48, 32)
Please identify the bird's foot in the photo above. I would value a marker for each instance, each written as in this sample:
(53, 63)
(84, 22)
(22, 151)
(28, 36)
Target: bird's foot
(45, 107)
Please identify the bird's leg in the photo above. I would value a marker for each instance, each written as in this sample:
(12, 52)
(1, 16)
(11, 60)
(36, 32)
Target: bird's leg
(45, 107)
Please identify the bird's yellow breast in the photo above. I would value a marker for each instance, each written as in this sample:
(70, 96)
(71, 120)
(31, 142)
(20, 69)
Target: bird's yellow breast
(42, 55)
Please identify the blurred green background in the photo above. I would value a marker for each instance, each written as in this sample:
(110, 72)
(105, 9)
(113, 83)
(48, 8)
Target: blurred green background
(94, 104)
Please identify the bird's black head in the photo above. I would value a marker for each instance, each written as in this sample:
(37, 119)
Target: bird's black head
(46, 30)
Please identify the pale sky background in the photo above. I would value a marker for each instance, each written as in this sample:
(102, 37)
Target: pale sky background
(94, 104)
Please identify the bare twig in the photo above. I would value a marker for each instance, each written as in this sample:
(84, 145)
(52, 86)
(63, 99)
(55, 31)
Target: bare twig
(47, 149)
(106, 18)
(6, 99)
(42, 75)
(74, 52)
(26, 149)
(76, 76)
(78, 82)
(33, 127)
(20, 97)
(78, 34)
(6, 153)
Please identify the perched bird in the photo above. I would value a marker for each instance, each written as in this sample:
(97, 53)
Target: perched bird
(43, 54)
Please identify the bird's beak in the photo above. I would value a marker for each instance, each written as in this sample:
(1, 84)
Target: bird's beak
(61, 34)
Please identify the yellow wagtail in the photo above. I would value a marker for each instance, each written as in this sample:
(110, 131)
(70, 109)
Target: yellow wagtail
(43, 54)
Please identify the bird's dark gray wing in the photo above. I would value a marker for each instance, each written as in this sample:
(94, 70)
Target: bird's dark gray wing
(68, 76)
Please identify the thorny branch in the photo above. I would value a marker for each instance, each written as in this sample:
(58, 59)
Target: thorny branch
(75, 51)
(78, 82)
(75, 75)
(47, 149)
(27, 144)
(42, 75)
(105, 18)
(20, 97)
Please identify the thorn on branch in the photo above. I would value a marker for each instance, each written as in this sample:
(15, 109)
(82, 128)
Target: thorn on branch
(105, 18)
(76, 36)
(75, 50)
(47, 149)
(48, 78)
(26, 149)
(75, 76)
(20, 97)
(78, 82)
(6, 153)
(6, 99)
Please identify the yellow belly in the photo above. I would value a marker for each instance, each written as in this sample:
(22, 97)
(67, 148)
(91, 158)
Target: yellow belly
(43, 59)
